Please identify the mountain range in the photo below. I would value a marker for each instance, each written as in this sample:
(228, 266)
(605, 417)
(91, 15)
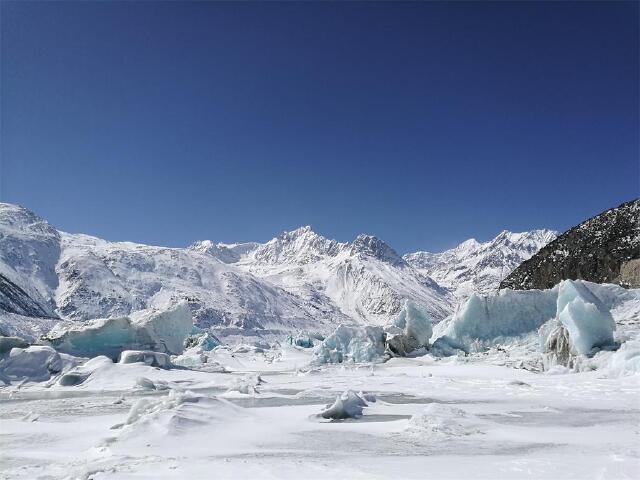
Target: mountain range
(299, 280)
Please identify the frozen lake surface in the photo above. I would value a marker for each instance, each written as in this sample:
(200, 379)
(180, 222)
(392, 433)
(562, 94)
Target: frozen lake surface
(431, 418)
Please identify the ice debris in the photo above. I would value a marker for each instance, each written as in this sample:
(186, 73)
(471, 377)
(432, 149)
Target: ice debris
(507, 314)
(162, 331)
(304, 340)
(81, 373)
(587, 320)
(410, 331)
(569, 319)
(147, 384)
(7, 343)
(202, 342)
(347, 405)
(153, 359)
(351, 344)
(247, 385)
(34, 363)
(626, 360)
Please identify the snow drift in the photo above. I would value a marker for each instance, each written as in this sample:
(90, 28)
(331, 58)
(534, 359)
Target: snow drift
(438, 421)
(174, 414)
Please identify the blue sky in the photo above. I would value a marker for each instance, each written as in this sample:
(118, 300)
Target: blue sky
(422, 123)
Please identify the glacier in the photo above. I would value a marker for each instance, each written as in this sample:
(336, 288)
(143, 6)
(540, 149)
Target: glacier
(565, 322)
(351, 344)
(410, 331)
(159, 330)
(587, 320)
(153, 359)
(37, 363)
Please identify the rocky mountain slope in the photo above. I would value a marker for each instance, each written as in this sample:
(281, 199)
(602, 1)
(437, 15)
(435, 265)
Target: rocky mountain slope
(474, 267)
(604, 248)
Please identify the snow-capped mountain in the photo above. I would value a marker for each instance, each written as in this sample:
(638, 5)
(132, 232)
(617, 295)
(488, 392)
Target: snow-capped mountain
(46, 273)
(365, 279)
(29, 249)
(298, 280)
(474, 267)
(105, 279)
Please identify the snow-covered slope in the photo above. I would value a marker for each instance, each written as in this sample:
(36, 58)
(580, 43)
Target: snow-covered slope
(474, 267)
(103, 279)
(29, 251)
(298, 280)
(46, 273)
(365, 280)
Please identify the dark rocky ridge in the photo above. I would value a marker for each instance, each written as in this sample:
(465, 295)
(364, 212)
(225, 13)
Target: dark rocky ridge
(603, 249)
(14, 299)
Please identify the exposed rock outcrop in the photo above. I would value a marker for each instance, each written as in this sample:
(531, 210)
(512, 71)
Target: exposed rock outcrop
(603, 249)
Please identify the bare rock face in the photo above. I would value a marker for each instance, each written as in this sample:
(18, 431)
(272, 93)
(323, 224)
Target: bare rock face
(603, 249)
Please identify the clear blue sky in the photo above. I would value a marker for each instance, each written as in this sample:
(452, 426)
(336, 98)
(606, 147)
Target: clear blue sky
(422, 123)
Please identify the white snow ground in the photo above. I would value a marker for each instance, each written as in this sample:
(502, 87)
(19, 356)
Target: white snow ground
(436, 418)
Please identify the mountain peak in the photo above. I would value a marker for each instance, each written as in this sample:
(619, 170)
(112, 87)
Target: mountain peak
(299, 246)
(305, 231)
(374, 247)
(479, 267)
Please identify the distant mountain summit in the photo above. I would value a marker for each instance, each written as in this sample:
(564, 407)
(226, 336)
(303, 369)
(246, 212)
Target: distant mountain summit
(365, 279)
(602, 249)
(298, 280)
(475, 267)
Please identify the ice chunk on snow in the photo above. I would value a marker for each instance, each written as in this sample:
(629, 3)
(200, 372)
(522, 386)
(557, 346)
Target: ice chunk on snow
(355, 344)
(148, 384)
(510, 313)
(202, 342)
(513, 314)
(7, 343)
(153, 359)
(80, 374)
(588, 322)
(583, 324)
(167, 328)
(191, 359)
(304, 340)
(35, 363)
(438, 420)
(347, 405)
(625, 361)
(247, 385)
(554, 338)
(409, 331)
(163, 331)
